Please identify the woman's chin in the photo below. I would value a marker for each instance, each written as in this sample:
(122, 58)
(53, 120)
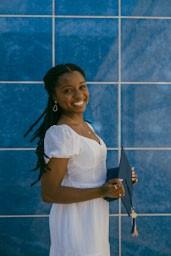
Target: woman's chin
(79, 108)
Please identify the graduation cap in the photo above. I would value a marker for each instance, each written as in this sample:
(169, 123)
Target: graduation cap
(124, 172)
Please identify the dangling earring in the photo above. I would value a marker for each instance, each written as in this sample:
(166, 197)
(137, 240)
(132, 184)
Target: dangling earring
(87, 102)
(55, 107)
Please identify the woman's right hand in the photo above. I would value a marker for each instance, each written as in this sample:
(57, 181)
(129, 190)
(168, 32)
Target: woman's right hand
(113, 189)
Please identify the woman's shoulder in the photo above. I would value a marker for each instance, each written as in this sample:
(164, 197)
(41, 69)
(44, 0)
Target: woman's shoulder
(59, 130)
(59, 141)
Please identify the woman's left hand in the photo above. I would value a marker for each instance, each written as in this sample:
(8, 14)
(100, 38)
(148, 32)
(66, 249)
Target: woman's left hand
(134, 176)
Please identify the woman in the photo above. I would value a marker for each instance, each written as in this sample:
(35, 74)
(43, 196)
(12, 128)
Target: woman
(72, 163)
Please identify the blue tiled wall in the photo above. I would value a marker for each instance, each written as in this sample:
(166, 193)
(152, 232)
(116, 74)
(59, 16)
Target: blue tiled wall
(124, 47)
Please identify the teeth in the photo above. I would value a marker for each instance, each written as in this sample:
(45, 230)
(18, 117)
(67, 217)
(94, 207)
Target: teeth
(79, 103)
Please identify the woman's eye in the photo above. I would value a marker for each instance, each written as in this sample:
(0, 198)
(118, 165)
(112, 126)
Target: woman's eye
(83, 86)
(67, 91)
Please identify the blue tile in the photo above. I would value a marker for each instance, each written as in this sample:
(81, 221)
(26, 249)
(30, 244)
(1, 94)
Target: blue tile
(112, 161)
(26, 7)
(146, 50)
(153, 239)
(89, 7)
(146, 115)
(25, 48)
(22, 104)
(146, 7)
(90, 43)
(16, 177)
(151, 193)
(103, 118)
(113, 236)
(24, 236)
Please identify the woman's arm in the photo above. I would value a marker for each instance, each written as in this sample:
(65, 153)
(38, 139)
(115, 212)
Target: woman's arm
(53, 192)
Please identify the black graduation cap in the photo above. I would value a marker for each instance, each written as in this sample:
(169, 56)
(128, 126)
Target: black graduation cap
(124, 172)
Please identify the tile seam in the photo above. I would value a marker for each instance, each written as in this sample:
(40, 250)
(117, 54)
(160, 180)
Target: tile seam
(108, 148)
(119, 121)
(84, 16)
(111, 215)
(53, 32)
(92, 82)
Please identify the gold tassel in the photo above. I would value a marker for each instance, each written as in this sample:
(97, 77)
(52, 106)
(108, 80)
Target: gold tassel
(134, 230)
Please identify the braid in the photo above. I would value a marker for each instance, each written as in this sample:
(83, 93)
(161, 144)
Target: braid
(50, 117)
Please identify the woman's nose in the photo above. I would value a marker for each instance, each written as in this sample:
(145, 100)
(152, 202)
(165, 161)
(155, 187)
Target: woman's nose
(78, 95)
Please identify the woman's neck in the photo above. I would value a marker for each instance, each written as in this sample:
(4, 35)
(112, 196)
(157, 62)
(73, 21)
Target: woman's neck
(72, 119)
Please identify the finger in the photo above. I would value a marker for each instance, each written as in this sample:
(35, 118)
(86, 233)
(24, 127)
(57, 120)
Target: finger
(115, 187)
(121, 195)
(121, 191)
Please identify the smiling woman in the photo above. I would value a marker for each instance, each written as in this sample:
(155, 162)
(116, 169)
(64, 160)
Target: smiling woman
(72, 164)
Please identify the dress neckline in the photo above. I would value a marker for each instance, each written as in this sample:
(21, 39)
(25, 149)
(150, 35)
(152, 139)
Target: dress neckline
(98, 143)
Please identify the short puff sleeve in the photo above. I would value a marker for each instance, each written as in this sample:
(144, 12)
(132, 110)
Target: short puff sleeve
(61, 142)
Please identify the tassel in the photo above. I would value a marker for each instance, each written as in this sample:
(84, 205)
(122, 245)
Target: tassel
(134, 230)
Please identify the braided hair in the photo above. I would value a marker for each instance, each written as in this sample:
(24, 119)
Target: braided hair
(49, 116)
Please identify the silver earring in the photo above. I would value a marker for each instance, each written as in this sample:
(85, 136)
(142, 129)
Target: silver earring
(55, 107)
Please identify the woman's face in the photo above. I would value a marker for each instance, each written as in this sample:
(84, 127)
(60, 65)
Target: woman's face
(72, 93)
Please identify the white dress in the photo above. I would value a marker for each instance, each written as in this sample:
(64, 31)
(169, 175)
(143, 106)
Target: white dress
(78, 229)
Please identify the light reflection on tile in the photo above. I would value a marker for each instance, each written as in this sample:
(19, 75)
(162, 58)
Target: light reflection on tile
(146, 50)
(102, 112)
(146, 115)
(77, 43)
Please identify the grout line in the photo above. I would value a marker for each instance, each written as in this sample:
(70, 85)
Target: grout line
(149, 82)
(92, 82)
(113, 17)
(147, 17)
(25, 16)
(17, 149)
(143, 215)
(21, 82)
(119, 119)
(147, 148)
(108, 148)
(53, 32)
(84, 16)
(111, 215)
(25, 216)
